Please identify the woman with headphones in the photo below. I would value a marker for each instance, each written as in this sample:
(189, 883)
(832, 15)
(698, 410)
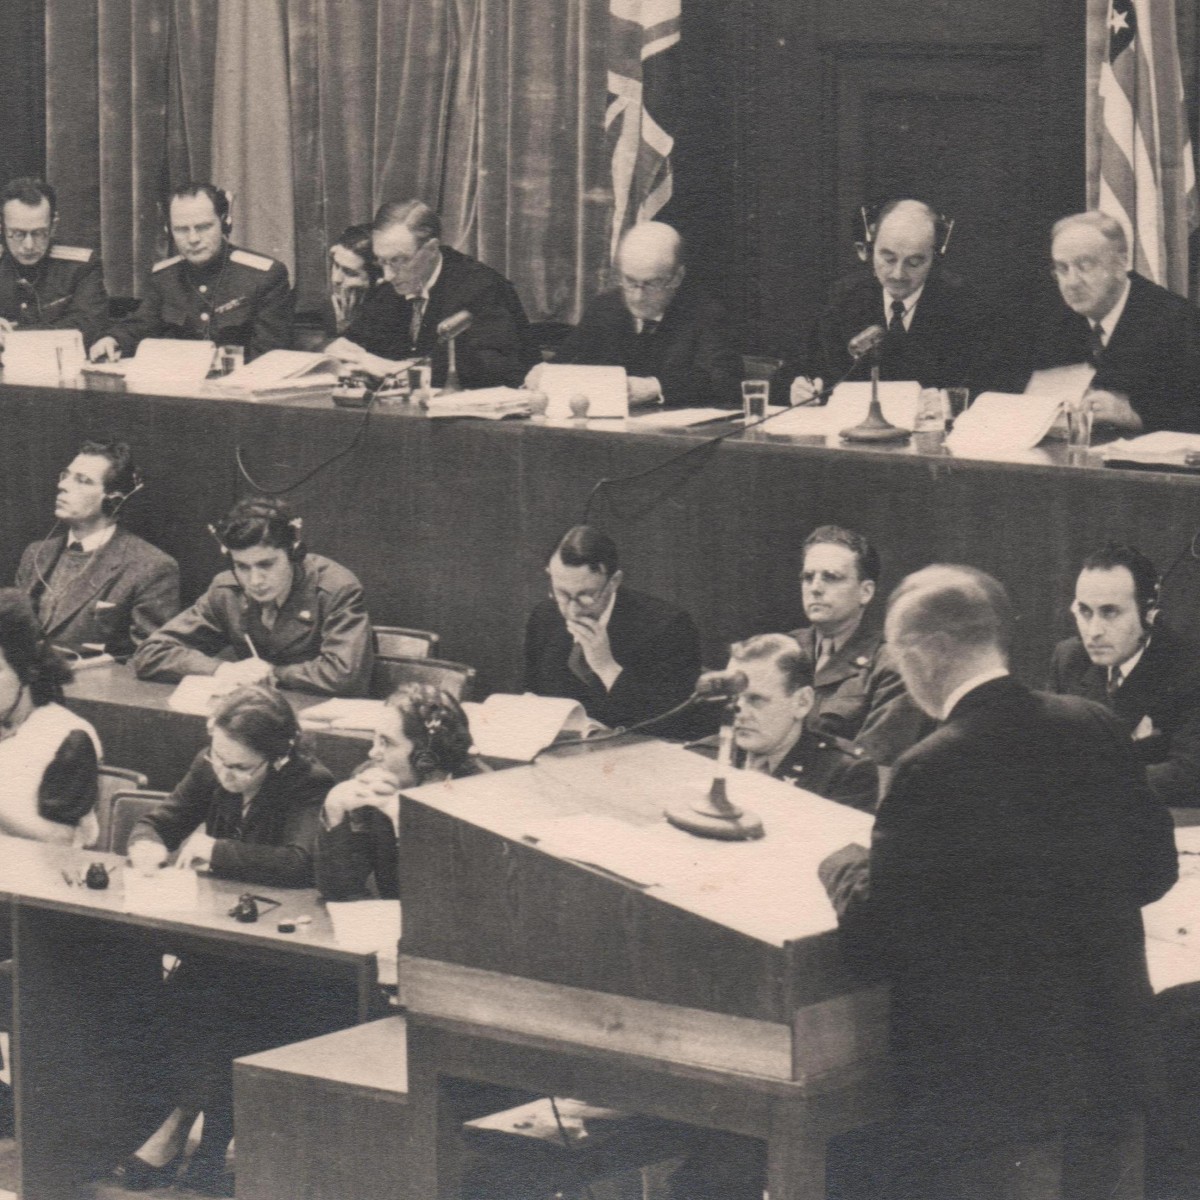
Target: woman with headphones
(423, 736)
(247, 809)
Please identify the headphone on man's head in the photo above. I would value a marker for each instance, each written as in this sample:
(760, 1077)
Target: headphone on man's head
(222, 204)
(111, 505)
(870, 217)
(271, 513)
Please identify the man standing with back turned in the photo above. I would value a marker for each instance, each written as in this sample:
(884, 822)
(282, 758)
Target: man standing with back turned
(1001, 898)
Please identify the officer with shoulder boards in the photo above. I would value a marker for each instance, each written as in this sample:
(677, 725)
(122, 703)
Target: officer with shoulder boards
(44, 284)
(210, 290)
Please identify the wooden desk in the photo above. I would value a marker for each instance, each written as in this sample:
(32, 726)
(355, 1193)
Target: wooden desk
(85, 976)
(716, 997)
(139, 729)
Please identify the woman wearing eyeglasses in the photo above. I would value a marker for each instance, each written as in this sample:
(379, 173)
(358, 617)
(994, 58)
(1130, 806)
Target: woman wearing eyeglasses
(423, 736)
(247, 809)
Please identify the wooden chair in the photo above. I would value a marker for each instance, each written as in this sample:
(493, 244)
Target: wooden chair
(127, 809)
(456, 678)
(392, 641)
(113, 780)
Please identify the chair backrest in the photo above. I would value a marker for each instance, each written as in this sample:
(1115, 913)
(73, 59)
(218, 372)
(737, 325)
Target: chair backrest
(456, 678)
(111, 781)
(127, 809)
(391, 641)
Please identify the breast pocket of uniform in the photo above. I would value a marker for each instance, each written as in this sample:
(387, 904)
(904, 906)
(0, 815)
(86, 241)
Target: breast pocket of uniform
(175, 316)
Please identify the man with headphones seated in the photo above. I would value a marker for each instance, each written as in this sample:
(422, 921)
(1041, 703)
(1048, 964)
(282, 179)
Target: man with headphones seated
(937, 332)
(278, 613)
(210, 290)
(1129, 660)
(43, 283)
(94, 586)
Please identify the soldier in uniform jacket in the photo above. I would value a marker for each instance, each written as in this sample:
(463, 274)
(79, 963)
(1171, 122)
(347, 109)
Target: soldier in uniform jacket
(43, 283)
(211, 290)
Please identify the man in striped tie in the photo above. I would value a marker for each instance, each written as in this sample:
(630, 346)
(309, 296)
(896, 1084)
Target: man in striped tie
(1127, 658)
(1143, 340)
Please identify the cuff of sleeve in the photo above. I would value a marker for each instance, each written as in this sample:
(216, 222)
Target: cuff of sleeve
(833, 866)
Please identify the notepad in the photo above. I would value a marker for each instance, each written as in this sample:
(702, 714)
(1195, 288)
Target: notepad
(171, 365)
(43, 356)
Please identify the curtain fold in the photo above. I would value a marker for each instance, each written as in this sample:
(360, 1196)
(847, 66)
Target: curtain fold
(490, 110)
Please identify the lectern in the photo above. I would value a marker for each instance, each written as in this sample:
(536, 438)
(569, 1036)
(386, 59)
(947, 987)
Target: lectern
(561, 938)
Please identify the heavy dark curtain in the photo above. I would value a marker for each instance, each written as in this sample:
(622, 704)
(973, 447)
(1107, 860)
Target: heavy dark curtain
(491, 110)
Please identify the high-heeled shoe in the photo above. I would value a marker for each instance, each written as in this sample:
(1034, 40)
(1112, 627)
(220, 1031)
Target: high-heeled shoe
(137, 1175)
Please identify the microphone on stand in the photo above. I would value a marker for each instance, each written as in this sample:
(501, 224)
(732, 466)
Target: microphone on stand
(447, 330)
(860, 345)
(874, 427)
(716, 816)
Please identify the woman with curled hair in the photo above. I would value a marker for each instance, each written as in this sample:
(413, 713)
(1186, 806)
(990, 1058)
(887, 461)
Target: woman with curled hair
(423, 736)
(48, 755)
(247, 809)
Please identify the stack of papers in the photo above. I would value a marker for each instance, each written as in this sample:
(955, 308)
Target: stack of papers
(1003, 422)
(169, 365)
(343, 714)
(43, 356)
(492, 404)
(282, 371)
(683, 418)
(518, 727)
(1169, 449)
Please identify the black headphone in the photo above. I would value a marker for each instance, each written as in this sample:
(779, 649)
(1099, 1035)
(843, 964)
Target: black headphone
(113, 501)
(431, 756)
(277, 518)
(221, 201)
(871, 216)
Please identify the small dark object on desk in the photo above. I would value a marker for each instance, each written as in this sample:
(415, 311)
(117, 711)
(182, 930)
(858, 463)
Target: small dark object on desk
(97, 876)
(246, 908)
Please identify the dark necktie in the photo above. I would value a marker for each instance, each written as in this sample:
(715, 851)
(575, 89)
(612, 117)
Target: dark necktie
(1096, 340)
(414, 325)
(649, 327)
(74, 547)
(896, 324)
(1114, 681)
(578, 664)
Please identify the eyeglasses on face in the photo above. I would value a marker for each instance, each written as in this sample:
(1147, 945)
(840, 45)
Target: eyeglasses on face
(39, 237)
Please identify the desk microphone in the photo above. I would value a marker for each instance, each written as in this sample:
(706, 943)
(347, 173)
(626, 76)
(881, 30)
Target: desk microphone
(720, 685)
(863, 343)
(447, 330)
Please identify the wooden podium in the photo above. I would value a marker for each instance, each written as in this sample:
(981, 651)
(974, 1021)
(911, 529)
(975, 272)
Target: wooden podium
(561, 938)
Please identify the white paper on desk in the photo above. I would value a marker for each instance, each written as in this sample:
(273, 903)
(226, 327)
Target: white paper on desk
(167, 890)
(606, 388)
(1003, 421)
(366, 926)
(169, 365)
(43, 356)
(680, 418)
(850, 403)
(1161, 447)
(1176, 917)
(340, 713)
(282, 371)
(195, 693)
(1066, 383)
(518, 726)
(805, 420)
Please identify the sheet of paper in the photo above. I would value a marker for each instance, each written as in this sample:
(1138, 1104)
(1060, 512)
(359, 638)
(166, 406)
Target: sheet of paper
(1067, 383)
(282, 370)
(170, 365)
(43, 356)
(517, 727)
(606, 388)
(367, 926)
(167, 890)
(1004, 422)
(1161, 447)
(196, 693)
(680, 418)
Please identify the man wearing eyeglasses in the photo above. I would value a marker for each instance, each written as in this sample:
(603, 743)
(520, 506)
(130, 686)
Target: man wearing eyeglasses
(1142, 340)
(43, 283)
(622, 654)
(673, 340)
(1128, 659)
(424, 282)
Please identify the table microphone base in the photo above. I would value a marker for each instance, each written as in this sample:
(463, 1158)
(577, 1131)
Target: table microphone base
(716, 816)
(875, 428)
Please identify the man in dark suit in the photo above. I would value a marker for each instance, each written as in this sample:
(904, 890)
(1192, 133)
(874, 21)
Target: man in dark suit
(1143, 340)
(858, 693)
(624, 655)
(429, 282)
(96, 587)
(673, 340)
(43, 283)
(211, 290)
(1009, 860)
(937, 330)
(1129, 660)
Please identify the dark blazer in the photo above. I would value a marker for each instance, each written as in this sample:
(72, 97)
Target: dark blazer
(656, 644)
(1153, 355)
(947, 344)
(1164, 687)
(272, 844)
(495, 350)
(1009, 861)
(239, 298)
(321, 640)
(126, 592)
(63, 291)
(691, 353)
(860, 696)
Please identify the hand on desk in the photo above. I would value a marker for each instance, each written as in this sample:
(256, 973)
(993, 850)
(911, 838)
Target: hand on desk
(105, 350)
(1113, 408)
(804, 390)
(248, 670)
(644, 389)
(146, 856)
(372, 787)
(592, 639)
(351, 352)
(196, 851)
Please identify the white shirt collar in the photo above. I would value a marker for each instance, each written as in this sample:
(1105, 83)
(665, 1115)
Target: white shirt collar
(93, 541)
(1126, 668)
(1109, 322)
(909, 302)
(428, 285)
(969, 686)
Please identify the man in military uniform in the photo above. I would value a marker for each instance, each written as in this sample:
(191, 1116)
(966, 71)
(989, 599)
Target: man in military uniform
(44, 284)
(210, 290)
(769, 730)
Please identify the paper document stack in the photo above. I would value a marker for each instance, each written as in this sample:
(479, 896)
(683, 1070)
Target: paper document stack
(1163, 447)
(282, 371)
(1001, 421)
(492, 404)
(517, 727)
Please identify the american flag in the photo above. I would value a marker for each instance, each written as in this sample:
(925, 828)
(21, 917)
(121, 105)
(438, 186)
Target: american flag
(1147, 173)
(641, 79)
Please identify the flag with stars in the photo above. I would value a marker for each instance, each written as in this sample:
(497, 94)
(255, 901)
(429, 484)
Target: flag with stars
(1147, 173)
(642, 92)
